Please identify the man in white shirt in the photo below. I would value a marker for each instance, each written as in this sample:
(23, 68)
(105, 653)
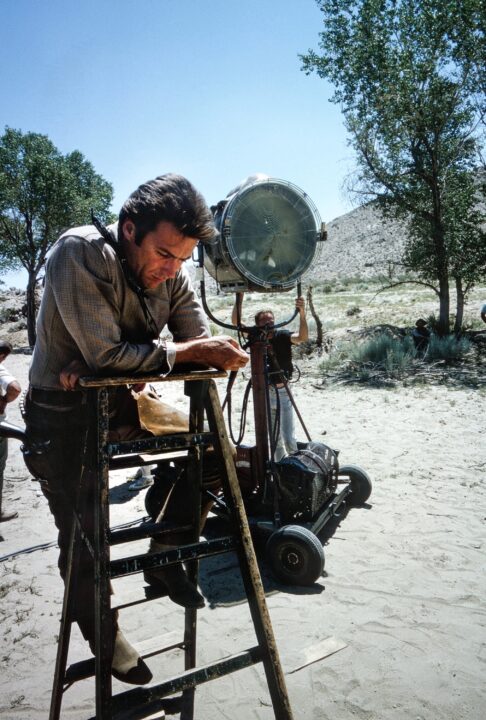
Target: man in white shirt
(9, 390)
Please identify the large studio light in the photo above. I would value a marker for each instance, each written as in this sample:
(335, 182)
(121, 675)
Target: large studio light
(269, 234)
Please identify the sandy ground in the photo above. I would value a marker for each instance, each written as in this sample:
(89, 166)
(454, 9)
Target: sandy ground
(403, 592)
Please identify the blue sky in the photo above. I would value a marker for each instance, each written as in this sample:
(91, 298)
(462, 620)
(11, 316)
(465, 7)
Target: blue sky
(210, 89)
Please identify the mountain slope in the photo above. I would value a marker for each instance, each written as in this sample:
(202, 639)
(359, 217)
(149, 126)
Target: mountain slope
(360, 243)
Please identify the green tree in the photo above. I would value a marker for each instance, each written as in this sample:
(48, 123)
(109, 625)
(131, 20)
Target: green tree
(42, 192)
(410, 77)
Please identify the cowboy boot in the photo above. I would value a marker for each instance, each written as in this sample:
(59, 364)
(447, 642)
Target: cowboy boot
(173, 581)
(127, 665)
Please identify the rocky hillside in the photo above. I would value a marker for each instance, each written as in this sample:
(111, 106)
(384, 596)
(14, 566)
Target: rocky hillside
(360, 244)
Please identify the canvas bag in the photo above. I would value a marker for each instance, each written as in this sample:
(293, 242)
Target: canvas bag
(158, 417)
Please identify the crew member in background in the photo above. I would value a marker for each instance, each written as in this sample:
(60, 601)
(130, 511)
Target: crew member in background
(9, 390)
(421, 337)
(279, 366)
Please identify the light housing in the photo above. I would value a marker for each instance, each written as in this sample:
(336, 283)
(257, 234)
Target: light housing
(269, 233)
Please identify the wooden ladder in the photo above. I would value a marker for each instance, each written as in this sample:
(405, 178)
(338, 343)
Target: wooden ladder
(102, 454)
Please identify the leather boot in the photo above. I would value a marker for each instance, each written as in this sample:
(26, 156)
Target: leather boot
(127, 665)
(173, 581)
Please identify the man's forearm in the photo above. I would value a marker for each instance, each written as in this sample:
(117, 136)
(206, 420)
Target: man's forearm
(190, 351)
(304, 330)
(303, 334)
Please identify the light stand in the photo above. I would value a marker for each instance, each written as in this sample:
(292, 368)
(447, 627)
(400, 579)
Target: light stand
(258, 344)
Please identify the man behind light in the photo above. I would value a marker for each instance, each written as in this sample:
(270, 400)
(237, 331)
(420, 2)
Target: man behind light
(280, 368)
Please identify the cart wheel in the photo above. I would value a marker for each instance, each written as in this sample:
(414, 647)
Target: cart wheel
(295, 555)
(360, 484)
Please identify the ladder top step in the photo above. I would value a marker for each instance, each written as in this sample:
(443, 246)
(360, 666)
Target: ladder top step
(190, 375)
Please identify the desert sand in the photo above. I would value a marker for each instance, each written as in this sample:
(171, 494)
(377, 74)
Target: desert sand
(402, 598)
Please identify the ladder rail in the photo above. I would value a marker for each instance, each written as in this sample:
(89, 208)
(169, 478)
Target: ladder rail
(99, 407)
(249, 565)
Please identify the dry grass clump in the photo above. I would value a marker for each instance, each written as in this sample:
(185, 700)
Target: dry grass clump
(384, 359)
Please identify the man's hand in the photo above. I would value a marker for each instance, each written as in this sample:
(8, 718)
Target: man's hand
(70, 375)
(300, 305)
(13, 391)
(221, 352)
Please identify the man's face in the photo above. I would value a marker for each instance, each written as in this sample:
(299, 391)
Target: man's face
(160, 254)
(265, 318)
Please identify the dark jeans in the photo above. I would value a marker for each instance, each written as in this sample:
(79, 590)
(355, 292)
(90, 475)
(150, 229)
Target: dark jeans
(61, 418)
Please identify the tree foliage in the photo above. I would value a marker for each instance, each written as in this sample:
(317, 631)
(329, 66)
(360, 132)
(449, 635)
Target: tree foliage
(42, 192)
(410, 77)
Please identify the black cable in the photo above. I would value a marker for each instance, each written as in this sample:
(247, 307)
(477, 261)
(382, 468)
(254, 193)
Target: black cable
(242, 416)
(45, 546)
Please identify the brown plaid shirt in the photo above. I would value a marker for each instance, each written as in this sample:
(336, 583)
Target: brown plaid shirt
(89, 312)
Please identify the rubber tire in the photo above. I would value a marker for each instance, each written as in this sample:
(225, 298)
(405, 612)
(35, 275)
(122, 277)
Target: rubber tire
(295, 555)
(360, 484)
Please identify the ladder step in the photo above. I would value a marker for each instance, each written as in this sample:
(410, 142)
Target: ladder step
(126, 600)
(128, 461)
(153, 710)
(181, 441)
(130, 704)
(146, 648)
(183, 553)
(145, 530)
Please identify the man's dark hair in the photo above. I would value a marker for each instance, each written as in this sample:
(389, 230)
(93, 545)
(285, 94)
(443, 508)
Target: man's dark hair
(5, 347)
(263, 312)
(170, 198)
